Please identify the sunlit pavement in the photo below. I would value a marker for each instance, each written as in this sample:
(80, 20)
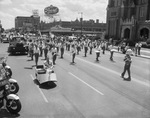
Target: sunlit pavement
(87, 89)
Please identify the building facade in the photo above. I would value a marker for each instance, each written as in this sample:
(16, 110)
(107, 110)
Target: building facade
(129, 19)
(78, 26)
(32, 24)
(27, 24)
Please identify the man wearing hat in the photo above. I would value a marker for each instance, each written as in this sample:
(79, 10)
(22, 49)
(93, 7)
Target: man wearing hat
(127, 66)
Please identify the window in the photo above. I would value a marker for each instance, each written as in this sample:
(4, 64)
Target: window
(112, 3)
(143, 1)
(141, 11)
(113, 13)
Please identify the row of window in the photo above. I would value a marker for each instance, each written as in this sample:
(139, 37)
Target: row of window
(142, 1)
(115, 3)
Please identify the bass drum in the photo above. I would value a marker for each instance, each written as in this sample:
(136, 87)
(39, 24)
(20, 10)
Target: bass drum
(13, 106)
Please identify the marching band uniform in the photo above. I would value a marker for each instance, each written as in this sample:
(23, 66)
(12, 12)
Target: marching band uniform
(54, 54)
(41, 48)
(45, 51)
(73, 52)
(36, 54)
(111, 49)
(78, 48)
(91, 47)
(62, 50)
(31, 50)
(85, 48)
(98, 49)
(127, 66)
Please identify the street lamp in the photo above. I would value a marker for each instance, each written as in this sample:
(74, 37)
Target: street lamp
(81, 21)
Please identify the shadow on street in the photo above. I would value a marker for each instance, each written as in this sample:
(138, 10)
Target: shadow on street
(46, 85)
(5, 114)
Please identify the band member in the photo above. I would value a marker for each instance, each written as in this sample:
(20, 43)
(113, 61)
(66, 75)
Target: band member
(78, 48)
(31, 50)
(112, 50)
(36, 54)
(85, 48)
(73, 52)
(127, 66)
(41, 48)
(45, 51)
(103, 46)
(54, 54)
(62, 50)
(91, 47)
(98, 49)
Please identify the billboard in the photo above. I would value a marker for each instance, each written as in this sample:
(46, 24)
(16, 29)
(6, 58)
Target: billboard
(51, 10)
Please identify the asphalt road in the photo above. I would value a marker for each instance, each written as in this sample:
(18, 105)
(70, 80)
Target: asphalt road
(87, 89)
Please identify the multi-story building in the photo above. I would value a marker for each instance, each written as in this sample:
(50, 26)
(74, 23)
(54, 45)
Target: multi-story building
(27, 24)
(129, 19)
(31, 24)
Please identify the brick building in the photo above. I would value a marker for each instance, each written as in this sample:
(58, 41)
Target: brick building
(27, 24)
(129, 19)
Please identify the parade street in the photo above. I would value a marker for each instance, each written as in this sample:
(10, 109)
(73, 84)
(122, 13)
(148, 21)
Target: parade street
(86, 89)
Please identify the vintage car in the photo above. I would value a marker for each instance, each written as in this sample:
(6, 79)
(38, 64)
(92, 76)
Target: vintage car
(45, 75)
(18, 45)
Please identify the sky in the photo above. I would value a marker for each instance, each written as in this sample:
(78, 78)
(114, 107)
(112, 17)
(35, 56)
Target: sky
(69, 10)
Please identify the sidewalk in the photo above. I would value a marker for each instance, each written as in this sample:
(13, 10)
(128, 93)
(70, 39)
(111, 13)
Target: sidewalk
(145, 53)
